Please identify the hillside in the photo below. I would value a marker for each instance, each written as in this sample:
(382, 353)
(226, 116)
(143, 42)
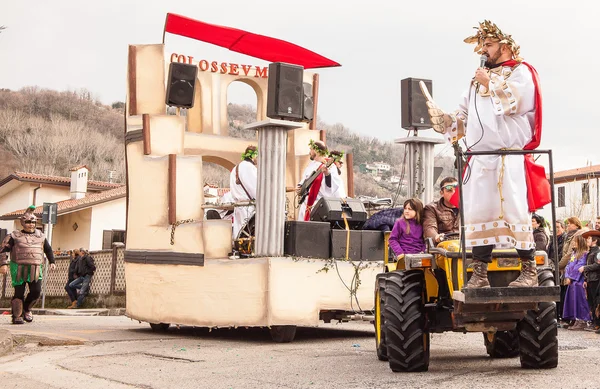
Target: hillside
(48, 132)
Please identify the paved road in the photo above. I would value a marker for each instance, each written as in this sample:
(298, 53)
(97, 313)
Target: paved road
(115, 352)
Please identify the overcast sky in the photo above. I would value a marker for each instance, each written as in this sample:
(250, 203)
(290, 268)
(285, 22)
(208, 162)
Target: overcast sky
(83, 44)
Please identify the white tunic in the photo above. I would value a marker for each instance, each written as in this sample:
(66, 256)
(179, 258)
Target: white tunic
(494, 187)
(324, 190)
(248, 175)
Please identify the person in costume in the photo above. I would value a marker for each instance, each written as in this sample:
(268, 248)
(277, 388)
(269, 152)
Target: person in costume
(325, 185)
(576, 305)
(242, 183)
(27, 248)
(337, 157)
(501, 110)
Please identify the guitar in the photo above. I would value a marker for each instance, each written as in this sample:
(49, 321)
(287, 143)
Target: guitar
(305, 187)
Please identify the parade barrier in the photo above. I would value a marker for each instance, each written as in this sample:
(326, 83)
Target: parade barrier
(109, 278)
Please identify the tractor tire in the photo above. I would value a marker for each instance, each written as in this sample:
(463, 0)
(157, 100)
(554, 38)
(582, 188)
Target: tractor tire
(380, 343)
(404, 313)
(538, 343)
(502, 344)
(283, 334)
(159, 327)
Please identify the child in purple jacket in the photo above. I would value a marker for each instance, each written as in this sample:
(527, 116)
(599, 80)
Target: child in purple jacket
(407, 234)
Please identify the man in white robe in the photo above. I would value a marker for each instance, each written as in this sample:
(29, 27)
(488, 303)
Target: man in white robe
(242, 183)
(325, 186)
(337, 162)
(498, 112)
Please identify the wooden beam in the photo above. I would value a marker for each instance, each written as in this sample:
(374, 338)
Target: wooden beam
(131, 75)
(146, 133)
(172, 188)
(315, 92)
(350, 173)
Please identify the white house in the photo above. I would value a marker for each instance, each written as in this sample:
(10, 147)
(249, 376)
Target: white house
(576, 193)
(91, 214)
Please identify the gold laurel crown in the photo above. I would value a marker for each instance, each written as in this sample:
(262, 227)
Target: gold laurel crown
(487, 29)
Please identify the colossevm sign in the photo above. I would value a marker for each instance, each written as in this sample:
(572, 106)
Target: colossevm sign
(223, 67)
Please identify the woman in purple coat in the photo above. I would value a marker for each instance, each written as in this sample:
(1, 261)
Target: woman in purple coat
(576, 306)
(407, 234)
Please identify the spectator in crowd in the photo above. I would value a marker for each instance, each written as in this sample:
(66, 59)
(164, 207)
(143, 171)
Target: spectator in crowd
(84, 270)
(592, 276)
(573, 228)
(540, 237)
(560, 239)
(441, 217)
(576, 305)
(407, 234)
(71, 275)
(597, 225)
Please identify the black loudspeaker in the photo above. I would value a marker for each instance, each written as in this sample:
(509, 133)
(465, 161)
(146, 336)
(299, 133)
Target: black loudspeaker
(309, 103)
(372, 245)
(339, 240)
(331, 209)
(285, 96)
(306, 239)
(180, 85)
(414, 109)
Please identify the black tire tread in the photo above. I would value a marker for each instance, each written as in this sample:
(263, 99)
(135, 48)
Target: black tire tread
(505, 344)
(538, 332)
(382, 347)
(407, 342)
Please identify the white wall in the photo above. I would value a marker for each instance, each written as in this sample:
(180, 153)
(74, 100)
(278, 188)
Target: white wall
(51, 194)
(64, 237)
(18, 198)
(106, 216)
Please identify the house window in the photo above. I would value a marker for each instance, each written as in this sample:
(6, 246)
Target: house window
(111, 236)
(561, 196)
(585, 193)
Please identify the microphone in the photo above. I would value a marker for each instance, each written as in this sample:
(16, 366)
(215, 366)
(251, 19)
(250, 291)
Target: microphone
(482, 60)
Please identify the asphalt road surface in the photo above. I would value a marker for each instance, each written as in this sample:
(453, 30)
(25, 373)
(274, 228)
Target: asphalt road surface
(116, 352)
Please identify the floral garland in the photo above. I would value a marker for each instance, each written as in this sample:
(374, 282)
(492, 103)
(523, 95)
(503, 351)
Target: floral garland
(487, 29)
(316, 148)
(336, 155)
(249, 154)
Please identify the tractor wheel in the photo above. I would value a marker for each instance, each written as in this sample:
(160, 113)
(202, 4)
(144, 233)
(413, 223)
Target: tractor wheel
(283, 334)
(538, 343)
(502, 344)
(405, 335)
(379, 319)
(159, 327)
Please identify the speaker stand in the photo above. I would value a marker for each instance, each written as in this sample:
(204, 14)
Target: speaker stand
(270, 190)
(420, 166)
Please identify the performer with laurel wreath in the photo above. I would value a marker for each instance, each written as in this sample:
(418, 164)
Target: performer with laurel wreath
(501, 110)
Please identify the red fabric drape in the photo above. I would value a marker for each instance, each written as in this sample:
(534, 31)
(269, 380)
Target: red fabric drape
(259, 46)
(312, 195)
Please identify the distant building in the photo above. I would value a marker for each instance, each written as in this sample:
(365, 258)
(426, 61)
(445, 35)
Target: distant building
(91, 214)
(576, 193)
(375, 168)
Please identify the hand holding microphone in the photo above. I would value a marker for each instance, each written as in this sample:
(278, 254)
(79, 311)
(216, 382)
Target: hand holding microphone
(481, 75)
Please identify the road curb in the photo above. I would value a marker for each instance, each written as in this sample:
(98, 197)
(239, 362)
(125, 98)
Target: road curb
(6, 342)
(74, 312)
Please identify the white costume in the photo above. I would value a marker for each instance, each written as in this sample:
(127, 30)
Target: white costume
(341, 190)
(248, 175)
(494, 187)
(324, 190)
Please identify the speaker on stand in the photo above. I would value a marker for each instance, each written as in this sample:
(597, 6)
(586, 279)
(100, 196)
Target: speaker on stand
(414, 107)
(180, 85)
(285, 93)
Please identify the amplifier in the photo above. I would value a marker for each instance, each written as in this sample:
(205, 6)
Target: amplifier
(338, 244)
(331, 209)
(372, 245)
(306, 239)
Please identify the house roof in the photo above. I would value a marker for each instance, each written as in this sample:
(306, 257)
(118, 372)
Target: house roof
(71, 205)
(55, 180)
(582, 173)
(75, 168)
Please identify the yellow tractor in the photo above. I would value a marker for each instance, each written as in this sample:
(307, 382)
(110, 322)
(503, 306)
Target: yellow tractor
(423, 294)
